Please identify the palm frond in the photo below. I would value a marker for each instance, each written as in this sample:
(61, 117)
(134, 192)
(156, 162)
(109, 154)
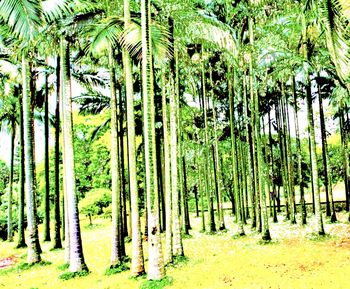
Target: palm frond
(196, 26)
(338, 41)
(100, 129)
(89, 79)
(106, 34)
(56, 9)
(24, 17)
(130, 39)
(92, 102)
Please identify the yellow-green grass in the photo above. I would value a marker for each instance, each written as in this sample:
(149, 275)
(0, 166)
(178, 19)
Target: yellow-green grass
(293, 260)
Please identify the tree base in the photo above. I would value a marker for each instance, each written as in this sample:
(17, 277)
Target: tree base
(21, 245)
(266, 236)
(333, 218)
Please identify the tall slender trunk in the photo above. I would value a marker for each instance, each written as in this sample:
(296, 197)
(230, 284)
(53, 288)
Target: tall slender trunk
(211, 216)
(281, 142)
(330, 211)
(298, 147)
(30, 183)
(345, 155)
(185, 203)
(310, 117)
(257, 128)
(250, 155)
(117, 230)
(137, 265)
(200, 189)
(155, 260)
(10, 192)
(168, 258)
(123, 193)
(57, 243)
(234, 154)
(288, 155)
(47, 236)
(217, 164)
(177, 239)
(76, 259)
(9, 203)
(21, 238)
(271, 167)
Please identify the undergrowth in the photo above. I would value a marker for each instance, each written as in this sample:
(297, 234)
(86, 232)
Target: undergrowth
(24, 267)
(63, 267)
(178, 261)
(157, 284)
(319, 237)
(70, 275)
(115, 269)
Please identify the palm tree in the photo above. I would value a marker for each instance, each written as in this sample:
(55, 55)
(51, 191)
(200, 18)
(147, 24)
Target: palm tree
(21, 237)
(57, 242)
(116, 200)
(137, 253)
(76, 258)
(47, 236)
(28, 96)
(167, 185)
(155, 263)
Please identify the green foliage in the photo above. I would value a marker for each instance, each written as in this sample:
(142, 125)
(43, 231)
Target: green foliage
(157, 284)
(94, 202)
(4, 177)
(3, 213)
(63, 267)
(70, 275)
(319, 237)
(115, 269)
(178, 261)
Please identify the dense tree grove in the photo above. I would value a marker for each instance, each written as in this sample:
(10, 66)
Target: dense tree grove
(162, 110)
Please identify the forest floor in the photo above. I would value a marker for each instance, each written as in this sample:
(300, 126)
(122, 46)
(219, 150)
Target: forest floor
(296, 258)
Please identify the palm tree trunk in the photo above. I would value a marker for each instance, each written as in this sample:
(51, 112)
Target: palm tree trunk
(217, 166)
(137, 265)
(30, 183)
(261, 173)
(177, 239)
(117, 230)
(47, 236)
(318, 211)
(288, 155)
(345, 158)
(281, 141)
(200, 189)
(298, 147)
(167, 186)
(234, 154)
(271, 157)
(155, 264)
(76, 259)
(211, 216)
(57, 243)
(9, 203)
(124, 197)
(250, 155)
(330, 212)
(21, 238)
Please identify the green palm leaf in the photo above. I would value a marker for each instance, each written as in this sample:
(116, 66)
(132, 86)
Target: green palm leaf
(130, 39)
(106, 34)
(196, 26)
(23, 16)
(338, 41)
(56, 9)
